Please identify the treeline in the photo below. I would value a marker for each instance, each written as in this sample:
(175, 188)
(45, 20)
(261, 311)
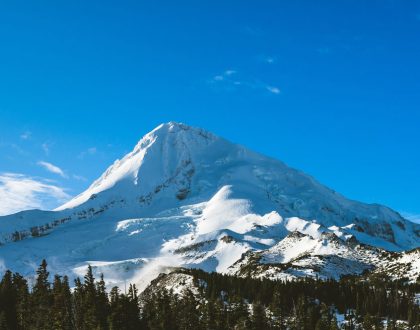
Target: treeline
(215, 302)
(309, 303)
(55, 306)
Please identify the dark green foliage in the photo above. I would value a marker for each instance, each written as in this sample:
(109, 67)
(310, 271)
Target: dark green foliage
(259, 317)
(217, 302)
(8, 299)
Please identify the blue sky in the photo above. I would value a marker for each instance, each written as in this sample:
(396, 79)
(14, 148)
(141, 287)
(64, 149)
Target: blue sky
(331, 88)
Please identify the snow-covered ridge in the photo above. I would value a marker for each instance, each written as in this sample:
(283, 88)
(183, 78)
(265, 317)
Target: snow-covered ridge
(150, 160)
(185, 197)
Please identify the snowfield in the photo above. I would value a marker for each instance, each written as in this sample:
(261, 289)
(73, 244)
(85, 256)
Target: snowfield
(185, 197)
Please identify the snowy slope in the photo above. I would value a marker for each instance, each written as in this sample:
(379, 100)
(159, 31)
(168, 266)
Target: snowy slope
(185, 197)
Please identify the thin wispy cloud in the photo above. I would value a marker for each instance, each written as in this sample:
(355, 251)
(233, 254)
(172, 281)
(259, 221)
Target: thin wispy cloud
(266, 59)
(229, 72)
(20, 192)
(52, 168)
(92, 150)
(231, 80)
(26, 135)
(274, 90)
(89, 151)
(79, 177)
(224, 76)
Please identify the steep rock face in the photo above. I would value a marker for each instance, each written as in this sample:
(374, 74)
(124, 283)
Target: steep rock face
(185, 197)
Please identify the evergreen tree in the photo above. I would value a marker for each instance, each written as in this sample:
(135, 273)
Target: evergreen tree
(259, 317)
(23, 306)
(324, 322)
(133, 311)
(90, 319)
(8, 301)
(301, 318)
(117, 312)
(371, 322)
(188, 312)
(222, 304)
(277, 311)
(209, 315)
(102, 303)
(41, 298)
(78, 305)
(240, 314)
(61, 307)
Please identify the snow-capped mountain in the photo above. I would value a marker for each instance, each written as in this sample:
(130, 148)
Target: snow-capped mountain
(185, 197)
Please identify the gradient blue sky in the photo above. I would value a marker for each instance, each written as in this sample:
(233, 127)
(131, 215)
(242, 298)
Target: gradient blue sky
(329, 87)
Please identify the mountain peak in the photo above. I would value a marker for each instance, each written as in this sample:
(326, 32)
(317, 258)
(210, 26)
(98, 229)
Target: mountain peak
(185, 197)
(176, 164)
(157, 157)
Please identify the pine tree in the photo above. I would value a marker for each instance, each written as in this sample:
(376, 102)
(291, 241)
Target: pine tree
(240, 314)
(368, 322)
(209, 314)
(78, 305)
(42, 298)
(102, 303)
(188, 312)
(324, 323)
(23, 307)
(120, 312)
(259, 317)
(277, 311)
(116, 320)
(61, 307)
(133, 311)
(90, 320)
(164, 312)
(413, 317)
(8, 301)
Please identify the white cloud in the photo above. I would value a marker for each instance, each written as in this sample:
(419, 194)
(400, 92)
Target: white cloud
(229, 72)
(19, 192)
(52, 168)
(26, 135)
(273, 89)
(224, 76)
(230, 81)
